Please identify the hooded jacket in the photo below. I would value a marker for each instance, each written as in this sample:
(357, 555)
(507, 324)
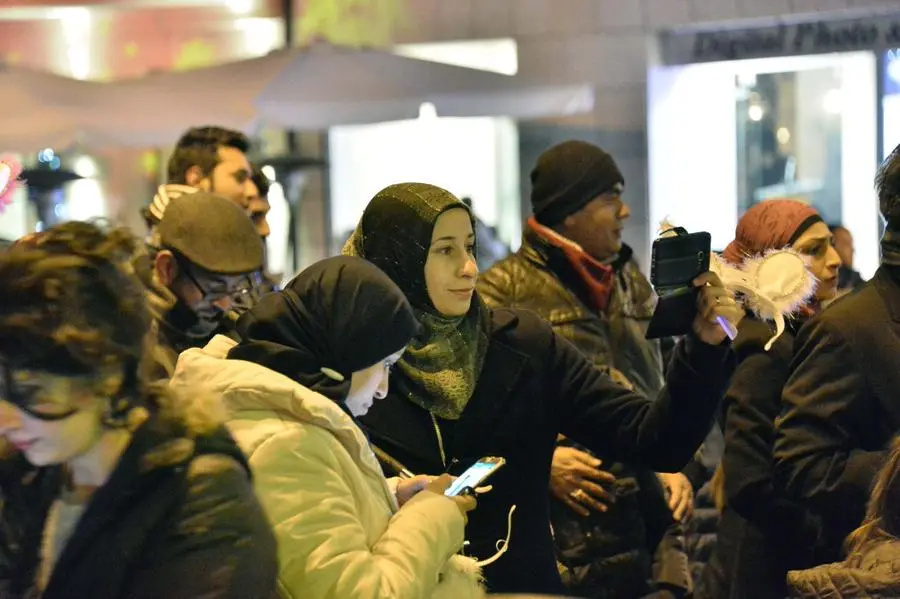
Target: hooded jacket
(340, 532)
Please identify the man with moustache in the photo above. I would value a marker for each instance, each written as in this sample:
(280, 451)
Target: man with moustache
(611, 527)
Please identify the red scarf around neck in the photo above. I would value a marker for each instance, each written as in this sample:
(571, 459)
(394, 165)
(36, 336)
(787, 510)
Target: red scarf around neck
(598, 278)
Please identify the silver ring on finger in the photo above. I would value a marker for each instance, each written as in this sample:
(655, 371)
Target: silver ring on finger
(577, 495)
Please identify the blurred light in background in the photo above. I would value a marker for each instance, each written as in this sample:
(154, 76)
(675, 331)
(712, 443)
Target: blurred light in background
(259, 36)
(427, 111)
(783, 135)
(832, 102)
(84, 166)
(240, 7)
(755, 112)
(279, 222)
(495, 55)
(76, 24)
(269, 172)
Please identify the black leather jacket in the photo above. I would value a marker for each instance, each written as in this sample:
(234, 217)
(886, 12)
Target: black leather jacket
(538, 278)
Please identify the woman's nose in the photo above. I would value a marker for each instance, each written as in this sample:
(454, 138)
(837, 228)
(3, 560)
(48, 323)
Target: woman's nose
(381, 391)
(470, 268)
(832, 258)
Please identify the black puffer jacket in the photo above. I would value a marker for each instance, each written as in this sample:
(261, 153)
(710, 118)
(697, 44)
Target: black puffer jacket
(177, 518)
(613, 554)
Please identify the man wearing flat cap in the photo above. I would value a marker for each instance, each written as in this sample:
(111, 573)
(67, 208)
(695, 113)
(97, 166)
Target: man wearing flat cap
(206, 255)
(610, 525)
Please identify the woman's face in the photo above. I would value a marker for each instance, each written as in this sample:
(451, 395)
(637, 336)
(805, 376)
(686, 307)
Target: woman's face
(62, 422)
(450, 269)
(370, 384)
(824, 260)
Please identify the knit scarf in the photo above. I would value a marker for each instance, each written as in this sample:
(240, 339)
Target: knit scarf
(597, 277)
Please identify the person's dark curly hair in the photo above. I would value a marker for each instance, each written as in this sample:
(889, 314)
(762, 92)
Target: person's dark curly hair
(887, 184)
(71, 305)
(199, 146)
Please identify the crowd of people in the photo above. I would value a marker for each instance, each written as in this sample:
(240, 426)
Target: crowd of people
(174, 424)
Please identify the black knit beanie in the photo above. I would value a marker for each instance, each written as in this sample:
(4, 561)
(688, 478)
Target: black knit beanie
(567, 177)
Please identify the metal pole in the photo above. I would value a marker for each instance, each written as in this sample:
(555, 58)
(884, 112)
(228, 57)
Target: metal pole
(287, 18)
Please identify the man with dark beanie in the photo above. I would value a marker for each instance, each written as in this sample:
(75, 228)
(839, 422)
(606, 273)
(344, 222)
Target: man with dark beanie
(207, 254)
(840, 405)
(613, 529)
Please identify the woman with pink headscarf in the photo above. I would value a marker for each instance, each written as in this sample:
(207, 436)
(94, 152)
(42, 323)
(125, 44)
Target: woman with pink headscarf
(761, 534)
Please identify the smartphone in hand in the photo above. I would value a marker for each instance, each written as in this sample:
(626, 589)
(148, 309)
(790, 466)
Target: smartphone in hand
(475, 475)
(676, 261)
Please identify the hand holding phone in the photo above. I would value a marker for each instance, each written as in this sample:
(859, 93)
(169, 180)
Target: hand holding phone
(464, 503)
(475, 476)
(675, 263)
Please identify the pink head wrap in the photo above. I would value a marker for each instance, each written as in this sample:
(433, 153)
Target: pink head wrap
(769, 225)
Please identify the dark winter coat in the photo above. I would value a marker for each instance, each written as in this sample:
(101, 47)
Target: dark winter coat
(177, 519)
(534, 385)
(841, 408)
(761, 533)
(609, 554)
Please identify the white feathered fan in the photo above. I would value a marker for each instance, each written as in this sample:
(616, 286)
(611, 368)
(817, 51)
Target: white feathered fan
(772, 286)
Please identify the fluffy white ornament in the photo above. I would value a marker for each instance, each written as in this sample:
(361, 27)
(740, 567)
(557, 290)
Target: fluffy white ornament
(772, 286)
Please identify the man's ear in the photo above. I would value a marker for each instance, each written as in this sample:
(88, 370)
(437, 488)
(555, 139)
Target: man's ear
(165, 267)
(193, 176)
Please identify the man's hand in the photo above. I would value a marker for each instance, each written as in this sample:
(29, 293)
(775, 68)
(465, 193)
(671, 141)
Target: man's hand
(680, 493)
(713, 302)
(574, 478)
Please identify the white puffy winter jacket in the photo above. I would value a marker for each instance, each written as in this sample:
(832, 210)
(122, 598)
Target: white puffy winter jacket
(340, 533)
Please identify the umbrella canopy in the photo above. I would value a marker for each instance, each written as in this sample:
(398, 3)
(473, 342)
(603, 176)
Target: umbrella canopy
(311, 88)
(39, 109)
(323, 86)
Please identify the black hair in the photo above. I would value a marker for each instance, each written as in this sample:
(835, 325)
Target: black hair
(887, 184)
(199, 146)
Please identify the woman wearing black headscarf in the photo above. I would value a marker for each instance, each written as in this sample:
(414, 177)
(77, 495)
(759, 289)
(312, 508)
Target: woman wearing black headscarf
(476, 382)
(311, 359)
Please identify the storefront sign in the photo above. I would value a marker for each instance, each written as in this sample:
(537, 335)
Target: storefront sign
(784, 38)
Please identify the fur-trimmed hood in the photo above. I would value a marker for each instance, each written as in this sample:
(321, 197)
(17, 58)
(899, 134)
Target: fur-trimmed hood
(183, 425)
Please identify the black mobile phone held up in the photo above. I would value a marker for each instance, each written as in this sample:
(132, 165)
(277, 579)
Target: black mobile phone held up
(675, 262)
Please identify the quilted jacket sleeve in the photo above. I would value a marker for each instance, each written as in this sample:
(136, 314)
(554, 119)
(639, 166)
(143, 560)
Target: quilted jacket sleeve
(322, 542)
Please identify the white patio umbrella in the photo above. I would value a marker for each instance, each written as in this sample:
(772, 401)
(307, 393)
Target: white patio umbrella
(40, 109)
(324, 86)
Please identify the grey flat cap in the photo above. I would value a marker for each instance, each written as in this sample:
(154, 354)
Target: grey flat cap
(213, 233)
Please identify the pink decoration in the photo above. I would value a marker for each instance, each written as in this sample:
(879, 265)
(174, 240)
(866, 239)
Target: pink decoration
(10, 169)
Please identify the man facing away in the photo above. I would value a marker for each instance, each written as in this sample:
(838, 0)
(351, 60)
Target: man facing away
(840, 405)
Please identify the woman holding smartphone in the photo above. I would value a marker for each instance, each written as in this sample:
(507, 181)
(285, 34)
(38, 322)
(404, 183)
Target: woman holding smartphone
(477, 382)
(310, 360)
